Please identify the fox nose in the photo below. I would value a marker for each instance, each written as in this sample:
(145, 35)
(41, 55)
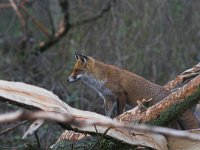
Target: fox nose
(68, 79)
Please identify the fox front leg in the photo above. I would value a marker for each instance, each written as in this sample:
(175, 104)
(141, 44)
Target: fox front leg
(109, 105)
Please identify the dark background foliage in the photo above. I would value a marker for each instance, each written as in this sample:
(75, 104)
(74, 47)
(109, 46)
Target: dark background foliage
(156, 39)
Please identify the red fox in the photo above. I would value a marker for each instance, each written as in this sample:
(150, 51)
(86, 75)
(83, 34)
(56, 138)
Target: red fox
(117, 85)
(114, 84)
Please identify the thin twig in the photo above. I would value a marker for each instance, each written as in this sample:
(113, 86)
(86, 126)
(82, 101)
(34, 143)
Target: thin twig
(39, 24)
(96, 129)
(38, 140)
(14, 147)
(100, 14)
(5, 6)
(66, 26)
(99, 139)
(13, 127)
(15, 8)
(78, 122)
(84, 121)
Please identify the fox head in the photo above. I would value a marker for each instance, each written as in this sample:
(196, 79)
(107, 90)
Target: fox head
(81, 68)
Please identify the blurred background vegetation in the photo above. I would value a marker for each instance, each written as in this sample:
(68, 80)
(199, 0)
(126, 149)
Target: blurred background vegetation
(156, 39)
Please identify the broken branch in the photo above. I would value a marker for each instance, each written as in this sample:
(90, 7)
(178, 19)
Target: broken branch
(65, 25)
(78, 122)
(15, 8)
(84, 121)
(190, 73)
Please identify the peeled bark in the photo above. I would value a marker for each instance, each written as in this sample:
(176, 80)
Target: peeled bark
(39, 98)
(158, 114)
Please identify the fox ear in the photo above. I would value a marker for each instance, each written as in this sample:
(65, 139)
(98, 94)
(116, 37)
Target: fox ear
(76, 56)
(81, 57)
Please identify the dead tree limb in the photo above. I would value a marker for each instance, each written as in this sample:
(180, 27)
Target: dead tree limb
(15, 8)
(13, 127)
(99, 14)
(188, 74)
(45, 100)
(5, 5)
(32, 96)
(178, 102)
(171, 107)
(80, 123)
(117, 131)
(28, 95)
(65, 25)
(37, 23)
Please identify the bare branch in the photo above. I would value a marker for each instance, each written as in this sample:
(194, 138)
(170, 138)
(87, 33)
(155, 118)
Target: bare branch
(38, 24)
(84, 121)
(5, 6)
(12, 128)
(100, 14)
(78, 122)
(38, 141)
(15, 8)
(65, 25)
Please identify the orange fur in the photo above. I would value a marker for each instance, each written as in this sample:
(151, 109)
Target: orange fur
(115, 84)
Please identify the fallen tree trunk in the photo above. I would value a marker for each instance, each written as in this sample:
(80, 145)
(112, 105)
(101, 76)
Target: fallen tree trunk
(38, 98)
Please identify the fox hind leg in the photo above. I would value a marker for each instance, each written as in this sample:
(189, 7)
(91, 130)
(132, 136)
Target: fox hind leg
(121, 102)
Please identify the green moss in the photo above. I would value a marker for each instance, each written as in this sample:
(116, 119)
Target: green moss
(176, 110)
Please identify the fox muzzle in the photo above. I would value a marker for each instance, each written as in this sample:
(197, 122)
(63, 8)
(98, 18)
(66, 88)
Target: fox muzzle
(74, 79)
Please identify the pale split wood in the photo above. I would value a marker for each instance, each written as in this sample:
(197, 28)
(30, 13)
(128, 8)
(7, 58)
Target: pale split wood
(42, 99)
(175, 143)
(70, 136)
(33, 96)
(34, 126)
(190, 73)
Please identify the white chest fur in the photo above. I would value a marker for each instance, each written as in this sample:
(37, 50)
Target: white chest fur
(97, 85)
